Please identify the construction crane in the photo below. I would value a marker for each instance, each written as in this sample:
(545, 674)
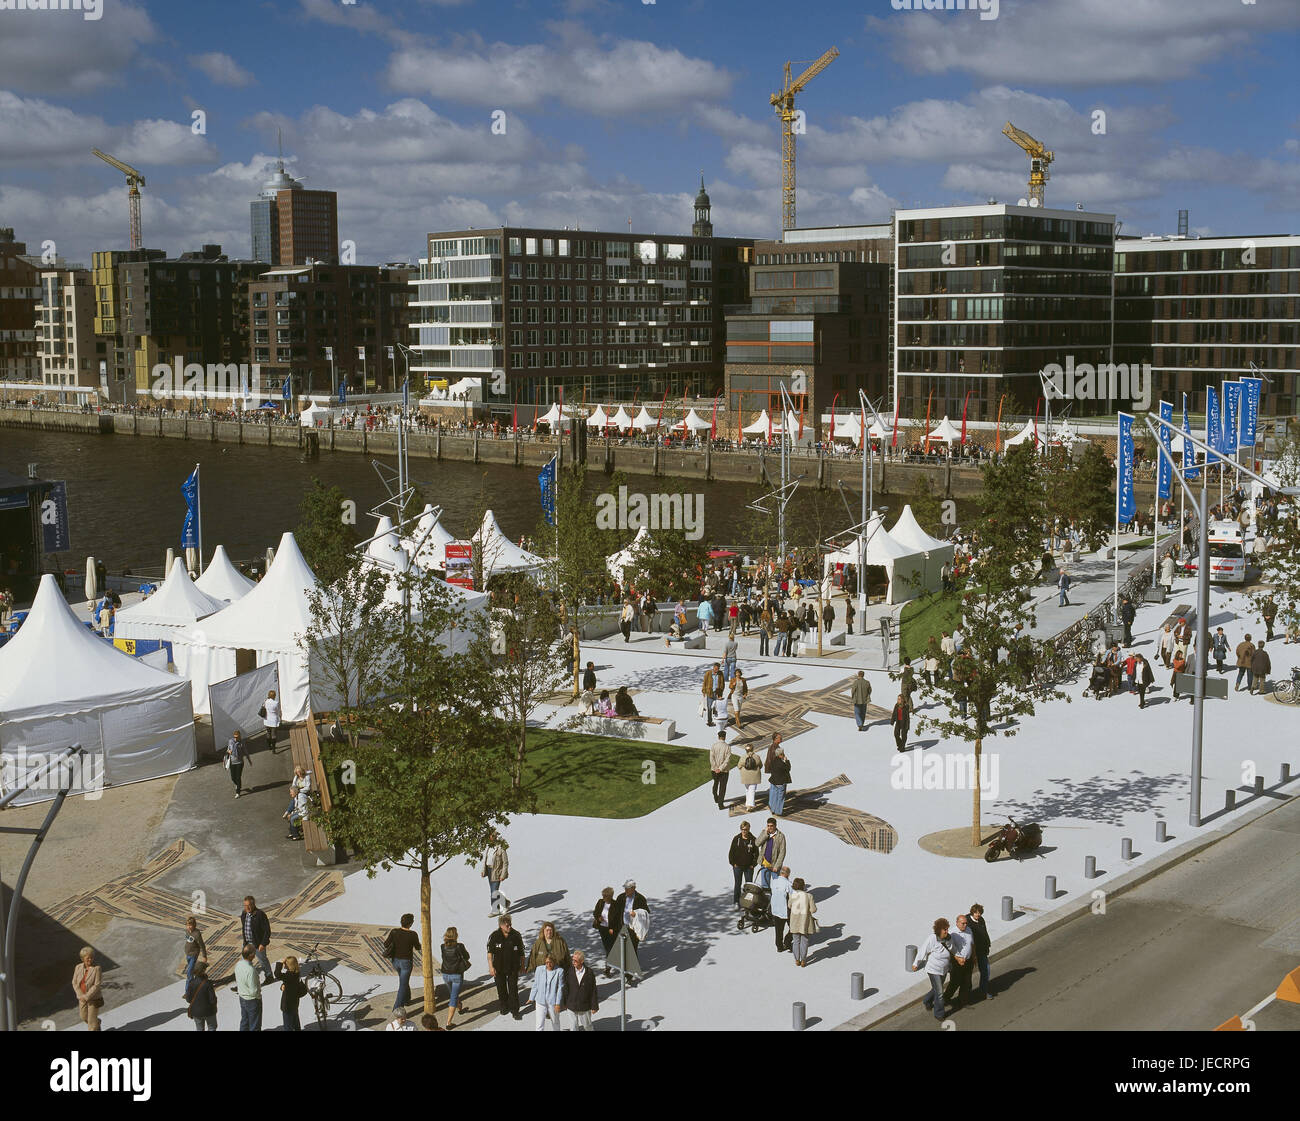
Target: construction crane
(134, 181)
(783, 101)
(1039, 160)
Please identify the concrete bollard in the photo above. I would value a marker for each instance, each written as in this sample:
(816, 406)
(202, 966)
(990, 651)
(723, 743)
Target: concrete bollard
(909, 958)
(1126, 848)
(1049, 887)
(1230, 800)
(1090, 867)
(857, 986)
(800, 1016)
(1286, 772)
(1008, 909)
(1161, 835)
(1259, 784)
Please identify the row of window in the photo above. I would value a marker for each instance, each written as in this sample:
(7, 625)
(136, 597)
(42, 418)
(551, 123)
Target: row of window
(619, 335)
(815, 257)
(563, 359)
(1245, 255)
(657, 312)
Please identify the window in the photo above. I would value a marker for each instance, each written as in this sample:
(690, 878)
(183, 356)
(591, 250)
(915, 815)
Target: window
(531, 249)
(532, 270)
(532, 292)
(532, 315)
(516, 361)
(548, 360)
(548, 247)
(533, 360)
(516, 246)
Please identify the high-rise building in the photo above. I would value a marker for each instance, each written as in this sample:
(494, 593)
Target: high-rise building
(20, 293)
(291, 225)
(66, 343)
(117, 352)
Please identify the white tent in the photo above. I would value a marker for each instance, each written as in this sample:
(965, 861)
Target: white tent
(616, 562)
(643, 420)
(552, 416)
(62, 685)
(621, 420)
(267, 622)
(848, 425)
(433, 540)
(393, 558)
(314, 415)
(467, 388)
(946, 431)
(599, 418)
(1029, 432)
(904, 566)
(907, 532)
(693, 421)
(222, 580)
(499, 553)
(760, 427)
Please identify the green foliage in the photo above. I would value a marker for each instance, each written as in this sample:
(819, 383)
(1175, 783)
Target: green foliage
(1081, 491)
(667, 562)
(1280, 565)
(927, 507)
(1014, 515)
(324, 536)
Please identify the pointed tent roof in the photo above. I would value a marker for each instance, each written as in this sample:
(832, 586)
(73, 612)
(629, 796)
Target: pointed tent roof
(621, 419)
(643, 420)
(946, 431)
(223, 580)
(500, 554)
(599, 418)
(385, 548)
(1026, 433)
(882, 548)
(760, 426)
(55, 662)
(432, 550)
(275, 612)
(177, 603)
(694, 422)
(615, 562)
(907, 531)
(848, 425)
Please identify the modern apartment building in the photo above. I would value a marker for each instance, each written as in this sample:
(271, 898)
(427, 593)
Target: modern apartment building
(609, 314)
(291, 225)
(117, 353)
(1200, 311)
(987, 296)
(324, 324)
(20, 293)
(66, 343)
(818, 322)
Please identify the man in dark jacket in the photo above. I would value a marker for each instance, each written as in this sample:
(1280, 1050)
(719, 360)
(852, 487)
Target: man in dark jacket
(975, 921)
(257, 933)
(743, 857)
(719, 606)
(1127, 613)
(624, 905)
(505, 952)
(202, 998)
(1260, 667)
(901, 718)
(400, 947)
(580, 992)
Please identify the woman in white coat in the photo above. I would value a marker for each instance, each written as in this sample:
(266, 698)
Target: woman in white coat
(271, 718)
(802, 908)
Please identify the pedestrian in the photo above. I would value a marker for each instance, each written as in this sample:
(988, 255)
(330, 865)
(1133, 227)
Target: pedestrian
(934, 954)
(270, 714)
(625, 619)
(400, 947)
(548, 944)
(719, 765)
(962, 949)
(548, 993)
(1130, 671)
(771, 852)
(711, 688)
(292, 989)
(249, 986)
(579, 995)
(1063, 600)
(194, 949)
(780, 907)
(1167, 644)
(828, 617)
(743, 857)
(496, 870)
(704, 613)
(792, 633)
(718, 609)
(256, 929)
(849, 613)
(1245, 655)
(730, 651)
(901, 718)
(633, 912)
(737, 693)
(201, 998)
(505, 954)
(649, 609)
(778, 782)
(1127, 613)
(1145, 679)
(751, 773)
(399, 1022)
(930, 667)
(907, 681)
(1220, 648)
(764, 631)
(454, 965)
(603, 922)
(980, 931)
(1167, 573)
(1268, 612)
(589, 677)
(87, 984)
(802, 923)
(236, 757)
(1178, 666)
(860, 691)
(1260, 667)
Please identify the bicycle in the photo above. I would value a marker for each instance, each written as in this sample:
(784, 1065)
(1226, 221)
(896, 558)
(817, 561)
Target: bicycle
(323, 988)
(1288, 692)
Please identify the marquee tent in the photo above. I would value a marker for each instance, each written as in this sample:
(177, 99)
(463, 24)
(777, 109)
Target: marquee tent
(1029, 432)
(848, 425)
(760, 427)
(432, 539)
(599, 418)
(643, 420)
(222, 580)
(467, 388)
(904, 566)
(616, 562)
(499, 553)
(946, 431)
(552, 416)
(907, 532)
(693, 421)
(621, 420)
(62, 685)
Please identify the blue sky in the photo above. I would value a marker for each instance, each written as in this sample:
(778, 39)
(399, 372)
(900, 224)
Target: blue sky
(612, 107)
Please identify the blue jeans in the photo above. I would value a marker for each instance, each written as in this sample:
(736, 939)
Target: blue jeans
(1248, 674)
(728, 668)
(494, 887)
(1060, 601)
(935, 999)
(403, 997)
(982, 960)
(780, 644)
(454, 982)
(765, 877)
(250, 1014)
(763, 640)
(776, 798)
(742, 876)
(190, 959)
(860, 715)
(799, 946)
(261, 960)
(205, 1023)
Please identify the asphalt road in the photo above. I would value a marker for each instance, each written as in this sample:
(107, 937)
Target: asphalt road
(1188, 950)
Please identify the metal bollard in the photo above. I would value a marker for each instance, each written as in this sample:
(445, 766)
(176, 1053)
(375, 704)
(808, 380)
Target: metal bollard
(1007, 908)
(1230, 800)
(1049, 887)
(1259, 784)
(909, 958)
(1161, 835)
(1286, 772)
(1090, 867)
(1126, 848)
(857, 986)
(800, 1016)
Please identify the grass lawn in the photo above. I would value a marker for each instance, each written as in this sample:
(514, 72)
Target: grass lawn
(925, 617)
(1129, 546)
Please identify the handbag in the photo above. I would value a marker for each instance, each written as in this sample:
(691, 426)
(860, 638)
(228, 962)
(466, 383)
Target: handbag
(227, 762)
(262, 712)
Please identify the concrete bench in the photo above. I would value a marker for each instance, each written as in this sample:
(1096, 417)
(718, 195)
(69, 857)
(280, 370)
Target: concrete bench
(839, 638)
(629, 727)
(694, 641)
(1182, 611)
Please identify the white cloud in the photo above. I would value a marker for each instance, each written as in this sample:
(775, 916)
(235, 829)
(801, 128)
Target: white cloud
(222, 69)
(45, 52)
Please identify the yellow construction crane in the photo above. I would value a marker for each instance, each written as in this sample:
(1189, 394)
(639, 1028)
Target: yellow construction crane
(134, 181)
(1039, 160)
(783, 101)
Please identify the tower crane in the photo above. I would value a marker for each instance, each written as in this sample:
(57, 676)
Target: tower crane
(1039, 160)
(134, 181)
(783, 102)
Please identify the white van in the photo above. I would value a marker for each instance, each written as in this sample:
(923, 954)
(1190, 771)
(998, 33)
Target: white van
(1227, 542)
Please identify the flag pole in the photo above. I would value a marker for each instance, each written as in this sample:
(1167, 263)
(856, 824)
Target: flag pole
(1119, 483)
(198, 502)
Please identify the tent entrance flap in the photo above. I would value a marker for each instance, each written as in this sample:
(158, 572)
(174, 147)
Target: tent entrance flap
(235, 702)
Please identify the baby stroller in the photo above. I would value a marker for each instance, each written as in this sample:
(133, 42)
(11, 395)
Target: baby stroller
(756, 908)
(1099, 682)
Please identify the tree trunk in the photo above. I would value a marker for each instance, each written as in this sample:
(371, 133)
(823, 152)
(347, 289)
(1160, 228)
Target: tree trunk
(517, 778)
(975, 834)
(426, 939)
(577, 657)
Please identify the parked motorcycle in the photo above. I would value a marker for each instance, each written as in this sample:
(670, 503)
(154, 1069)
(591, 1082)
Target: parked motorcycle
(1015, 839)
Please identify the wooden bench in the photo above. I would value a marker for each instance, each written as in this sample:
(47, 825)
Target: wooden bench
(304, 746)
(629, 727)
(1182, 611)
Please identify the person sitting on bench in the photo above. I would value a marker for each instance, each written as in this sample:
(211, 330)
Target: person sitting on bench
(606, 706)
(623, 705)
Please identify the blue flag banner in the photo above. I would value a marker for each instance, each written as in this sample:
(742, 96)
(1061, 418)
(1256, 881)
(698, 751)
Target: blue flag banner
(1251, 388)
(1164, 469)
(1213, 424)
(1231, 415)
(406, 404)
(547, 480)
(1126, 496)
(1190, 470)
(343, 392)
(284, 392)
(190, 532)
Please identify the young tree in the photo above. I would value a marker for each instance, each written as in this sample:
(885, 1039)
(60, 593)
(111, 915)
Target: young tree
(927, 507)
(1280, 565)
(1015, 513)
(326, 531)
(1080, 490)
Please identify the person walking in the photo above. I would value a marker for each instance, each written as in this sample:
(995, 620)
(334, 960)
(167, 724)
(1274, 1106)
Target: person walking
(649, 609)
(602, 921)
(849, 613)
(632, 911)
(270, 714)
(1260, 667)
(730, 651)
(751, 774)
(737, 693)
(548, 993)
(743, 857)
(236, 757)
(87, 984)
(505, 954)
(194, 949)
(256, 928)
(1145, 678)
(1268, 612)
(1063, 600)
(579, 992)
(777, 783)
(1219, 648)
(780, 908)
(1167, 644)
(828, 617)
(802, 923)
(1167, 573)
(901, 718)
(980, 931)
(930, 667)
(201, 998)
(548, 943)
(719, 765)
(792, 632)
(1130, 671)
(704, 613)
(711, 689)
(1127, 613)
(496, 870)
(625, 620)
(962, 949)
(589, 678)
(860, 692)
(248, 983)
(1245, 655)
(935, 955)
(292, 989)
(764, 630)
(400, 947)
(454, 965)
(1177, 666)
(771, 852)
